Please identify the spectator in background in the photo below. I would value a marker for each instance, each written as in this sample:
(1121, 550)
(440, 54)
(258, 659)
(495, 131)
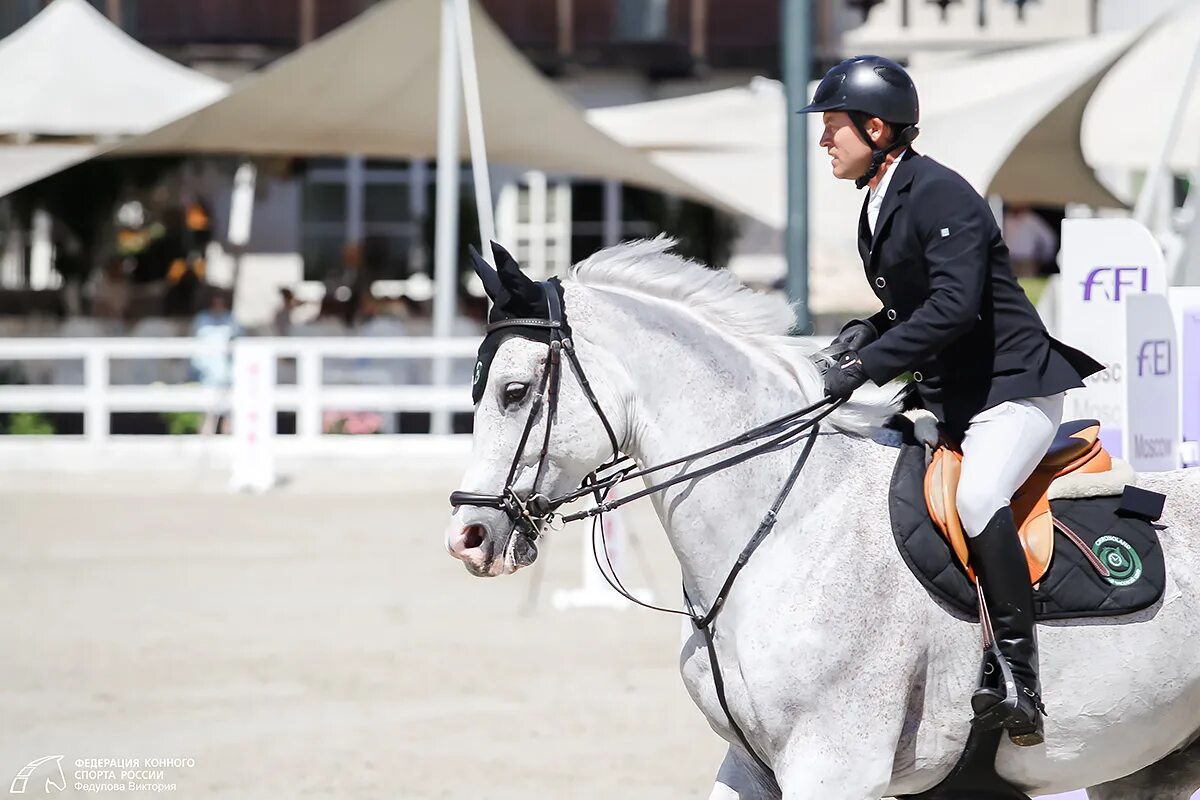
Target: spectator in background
(198, 228)
(184, 280)
(1031, 241)
(110, 291)
(283, 315)
(215, 368)
(417, 316)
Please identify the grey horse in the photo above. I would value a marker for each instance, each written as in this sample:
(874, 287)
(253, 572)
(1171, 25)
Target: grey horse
(848, 679)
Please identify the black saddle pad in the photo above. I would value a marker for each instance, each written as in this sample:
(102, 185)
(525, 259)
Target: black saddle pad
(1070, 588)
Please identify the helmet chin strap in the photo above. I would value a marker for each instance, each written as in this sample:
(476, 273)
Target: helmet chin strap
(878, 155)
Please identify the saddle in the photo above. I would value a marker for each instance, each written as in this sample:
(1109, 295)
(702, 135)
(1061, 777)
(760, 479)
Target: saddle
(1076, 449)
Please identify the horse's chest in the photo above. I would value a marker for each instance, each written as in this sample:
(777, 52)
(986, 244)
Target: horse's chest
(696, 669)
(765, 673)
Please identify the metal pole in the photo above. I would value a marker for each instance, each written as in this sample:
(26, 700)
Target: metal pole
(446, 222)
(797, 59)
(308, 22)
(699, 44)
(1147, 206)
(479, 162)
(565, 19)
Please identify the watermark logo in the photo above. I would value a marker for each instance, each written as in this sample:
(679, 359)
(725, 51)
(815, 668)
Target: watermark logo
(1109, 280)
(102, 775)
(1154, 357)
(55, 780)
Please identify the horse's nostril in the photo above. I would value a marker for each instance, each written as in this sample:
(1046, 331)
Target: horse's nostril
(474, 537)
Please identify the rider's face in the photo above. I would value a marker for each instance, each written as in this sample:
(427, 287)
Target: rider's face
(849, 154)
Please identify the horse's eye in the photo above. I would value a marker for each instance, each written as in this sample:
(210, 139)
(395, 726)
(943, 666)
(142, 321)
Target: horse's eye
(515, 393)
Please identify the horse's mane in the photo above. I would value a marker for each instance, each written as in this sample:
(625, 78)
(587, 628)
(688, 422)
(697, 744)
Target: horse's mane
(759, 321)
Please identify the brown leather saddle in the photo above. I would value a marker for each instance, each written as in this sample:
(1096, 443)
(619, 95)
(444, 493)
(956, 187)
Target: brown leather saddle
(1076, 448)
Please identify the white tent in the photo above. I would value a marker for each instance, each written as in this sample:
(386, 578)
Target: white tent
(371, 88)
(1010, 123)
(71, 74)
(21, 165)
(1126, 123)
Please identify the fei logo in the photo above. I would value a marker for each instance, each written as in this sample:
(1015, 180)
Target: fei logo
(19, 783)
(1154, 355)
(1111, 279)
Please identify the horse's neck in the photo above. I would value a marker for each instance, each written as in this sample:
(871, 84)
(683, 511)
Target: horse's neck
(693, 388)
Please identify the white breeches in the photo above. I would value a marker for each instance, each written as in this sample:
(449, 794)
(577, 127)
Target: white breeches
(1001, 448)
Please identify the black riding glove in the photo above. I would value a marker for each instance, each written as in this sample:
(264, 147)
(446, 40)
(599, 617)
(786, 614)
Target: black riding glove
(858, 333)
(846, 376)
(854, 335)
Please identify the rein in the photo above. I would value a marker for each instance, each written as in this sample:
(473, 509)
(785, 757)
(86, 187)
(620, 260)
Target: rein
(530, 514)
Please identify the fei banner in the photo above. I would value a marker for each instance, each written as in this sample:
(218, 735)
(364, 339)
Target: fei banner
(1185, 304)
(1104, 263)
(1152, 385)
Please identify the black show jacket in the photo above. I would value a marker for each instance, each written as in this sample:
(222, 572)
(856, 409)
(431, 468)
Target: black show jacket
(953, 312)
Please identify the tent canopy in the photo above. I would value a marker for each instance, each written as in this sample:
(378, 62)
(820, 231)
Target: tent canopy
(1009, 123)
(1126, 123)
(21, 165)
(371, 87)
(71, 72)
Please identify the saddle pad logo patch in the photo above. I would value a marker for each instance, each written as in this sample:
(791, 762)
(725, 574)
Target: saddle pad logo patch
(1124, 564)
(478, 371)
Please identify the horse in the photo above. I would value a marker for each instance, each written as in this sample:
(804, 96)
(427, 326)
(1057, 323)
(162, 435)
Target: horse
(847, 679)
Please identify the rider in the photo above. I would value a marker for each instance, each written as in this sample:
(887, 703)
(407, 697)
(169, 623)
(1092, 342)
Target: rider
(955, 316)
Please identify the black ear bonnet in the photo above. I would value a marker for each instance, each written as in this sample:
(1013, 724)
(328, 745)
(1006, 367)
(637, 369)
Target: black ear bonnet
(520, 307)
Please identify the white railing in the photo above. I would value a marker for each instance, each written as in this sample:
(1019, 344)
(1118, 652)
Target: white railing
(95, 395)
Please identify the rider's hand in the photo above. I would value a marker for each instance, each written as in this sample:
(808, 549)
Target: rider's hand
(855, 335)
(847, 375)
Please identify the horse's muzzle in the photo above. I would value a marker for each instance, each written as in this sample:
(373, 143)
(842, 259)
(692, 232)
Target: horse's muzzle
(486, 553)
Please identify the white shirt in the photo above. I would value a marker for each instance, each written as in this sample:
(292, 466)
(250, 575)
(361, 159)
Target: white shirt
(875, 198)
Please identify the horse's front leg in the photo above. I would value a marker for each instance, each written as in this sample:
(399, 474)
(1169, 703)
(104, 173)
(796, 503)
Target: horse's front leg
(845, 755)
(739, 778)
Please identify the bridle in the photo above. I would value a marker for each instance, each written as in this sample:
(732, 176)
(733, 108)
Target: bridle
(531, 513)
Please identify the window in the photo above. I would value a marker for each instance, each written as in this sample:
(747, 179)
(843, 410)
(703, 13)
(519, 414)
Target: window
(534, 217)
(381, 204)
(640, 20)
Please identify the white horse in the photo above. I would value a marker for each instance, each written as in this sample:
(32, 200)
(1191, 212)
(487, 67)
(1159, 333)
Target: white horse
(844, 674)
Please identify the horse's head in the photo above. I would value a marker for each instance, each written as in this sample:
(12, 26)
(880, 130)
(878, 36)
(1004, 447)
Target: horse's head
(527, 376)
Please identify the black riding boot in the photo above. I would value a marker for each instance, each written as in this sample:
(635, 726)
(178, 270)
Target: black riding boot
(999, 563)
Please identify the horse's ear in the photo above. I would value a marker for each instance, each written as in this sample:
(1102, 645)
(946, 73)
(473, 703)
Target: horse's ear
(510, 271)
(491, 280)
(513, 279)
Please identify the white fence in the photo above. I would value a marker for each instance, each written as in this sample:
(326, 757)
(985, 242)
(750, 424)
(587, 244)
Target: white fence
(377, 379)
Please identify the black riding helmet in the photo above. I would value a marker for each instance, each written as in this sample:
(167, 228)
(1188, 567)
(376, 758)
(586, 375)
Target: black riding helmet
(871, 86)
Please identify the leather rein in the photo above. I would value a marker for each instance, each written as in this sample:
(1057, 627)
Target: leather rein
(531, 513)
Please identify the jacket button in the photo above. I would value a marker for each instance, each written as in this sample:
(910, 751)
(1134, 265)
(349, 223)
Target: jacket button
(891, 313)
(918, 377)
(880, 282)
